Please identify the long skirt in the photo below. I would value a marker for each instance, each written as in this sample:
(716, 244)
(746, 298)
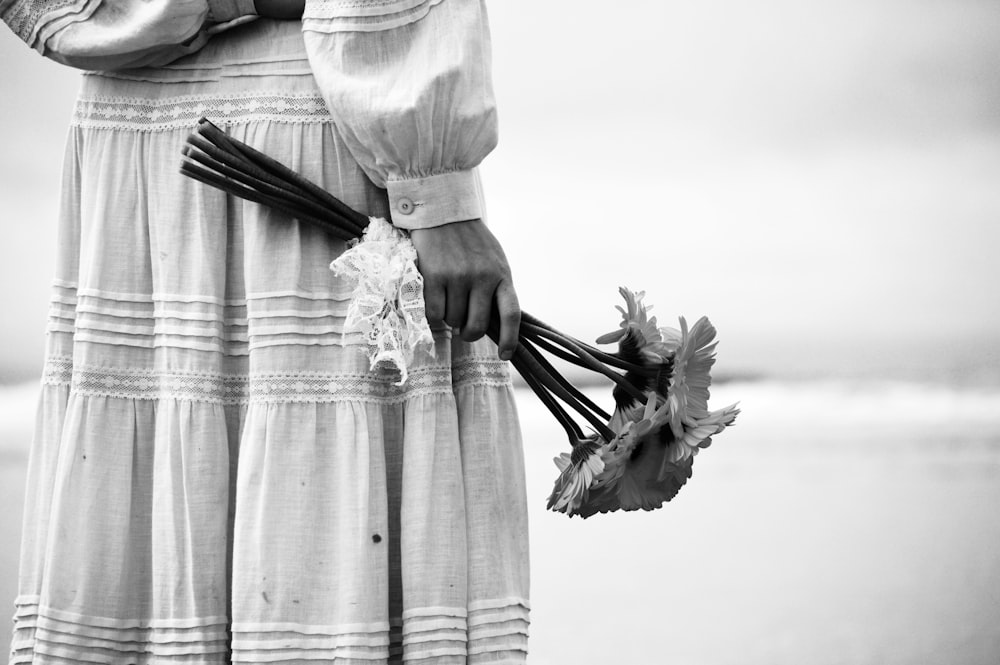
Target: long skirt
(217, 475)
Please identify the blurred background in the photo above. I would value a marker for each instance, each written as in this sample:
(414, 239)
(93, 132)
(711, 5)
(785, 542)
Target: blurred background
(821, 179)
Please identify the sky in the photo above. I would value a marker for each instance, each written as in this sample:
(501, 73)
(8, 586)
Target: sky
(819, 178)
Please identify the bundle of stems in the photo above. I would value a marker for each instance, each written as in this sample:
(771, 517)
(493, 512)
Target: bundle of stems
(217, 159)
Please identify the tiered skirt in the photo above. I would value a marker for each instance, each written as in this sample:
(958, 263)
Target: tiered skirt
(217, 476)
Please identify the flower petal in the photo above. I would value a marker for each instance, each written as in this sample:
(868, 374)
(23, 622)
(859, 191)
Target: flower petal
(612, 337)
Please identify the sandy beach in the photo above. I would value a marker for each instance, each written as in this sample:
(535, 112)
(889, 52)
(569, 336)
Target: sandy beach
(834, 524)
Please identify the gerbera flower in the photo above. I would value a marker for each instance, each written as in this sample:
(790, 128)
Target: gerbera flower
(653, 455)
(688, 392)
(641, 343)
(577, 472)
(698, 432)
(633, 461)
(635, 322)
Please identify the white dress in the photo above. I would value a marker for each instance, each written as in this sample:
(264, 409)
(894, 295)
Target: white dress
(216, 475)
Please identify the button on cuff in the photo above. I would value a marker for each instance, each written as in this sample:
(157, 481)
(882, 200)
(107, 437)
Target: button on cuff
(421, 203)
(404, 206)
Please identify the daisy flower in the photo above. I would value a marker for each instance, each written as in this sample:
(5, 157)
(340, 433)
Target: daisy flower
(578, 469)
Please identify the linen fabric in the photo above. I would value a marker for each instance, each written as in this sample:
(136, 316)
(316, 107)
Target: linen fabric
(96, 34)
(407, 82)
(432, 92)
(216, 474)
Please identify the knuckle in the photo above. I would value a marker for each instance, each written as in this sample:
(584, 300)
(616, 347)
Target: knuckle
(444, 274)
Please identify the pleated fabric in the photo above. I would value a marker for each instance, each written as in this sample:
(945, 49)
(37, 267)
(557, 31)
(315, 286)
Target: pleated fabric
(216, 474)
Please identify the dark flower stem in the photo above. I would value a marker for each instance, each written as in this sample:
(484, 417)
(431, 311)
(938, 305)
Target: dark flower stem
(569, 357)
(549, 347)
(543, 379)
(215, 143)
(226, 151)
(603, 356)
(573, 431)
(211, 158)
(553, 386)
(586, 357)
(547, 366)
(357, 219)
(211, 178)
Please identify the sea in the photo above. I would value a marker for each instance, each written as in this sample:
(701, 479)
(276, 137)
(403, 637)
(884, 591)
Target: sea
(848, 517)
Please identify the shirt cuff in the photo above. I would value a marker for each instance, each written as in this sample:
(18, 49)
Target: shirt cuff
(423, 203)
(220, 11)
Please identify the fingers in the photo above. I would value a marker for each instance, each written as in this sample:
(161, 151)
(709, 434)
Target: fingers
(478, 319)
(457, 297)
(469, 311)
(467, 282)
(434, 300)
(509, 311)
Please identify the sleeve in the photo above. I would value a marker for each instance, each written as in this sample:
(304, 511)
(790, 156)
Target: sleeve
(408, 84)
(116, 34)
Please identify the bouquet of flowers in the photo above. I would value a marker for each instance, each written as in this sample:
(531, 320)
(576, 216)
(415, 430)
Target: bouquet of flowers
(637, 457)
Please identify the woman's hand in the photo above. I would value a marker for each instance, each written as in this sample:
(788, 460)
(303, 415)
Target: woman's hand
(280, 9)
(467, 280)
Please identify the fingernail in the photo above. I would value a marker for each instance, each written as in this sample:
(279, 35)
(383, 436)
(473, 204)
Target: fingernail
(505, 354)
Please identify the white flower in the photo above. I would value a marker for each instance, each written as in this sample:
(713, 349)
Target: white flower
(643, 345)
(578, 469)
(660, 423)
(634, 462)
(691, 423)
(698, 432)
(638, 335)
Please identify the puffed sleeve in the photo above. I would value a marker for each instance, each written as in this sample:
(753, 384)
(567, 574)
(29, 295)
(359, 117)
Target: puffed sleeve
(408, 84)
(116, 34)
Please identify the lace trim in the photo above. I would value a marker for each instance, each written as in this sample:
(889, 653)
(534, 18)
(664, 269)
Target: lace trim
(24, 16)
(387, 305)
(184, 112)
(315, 387)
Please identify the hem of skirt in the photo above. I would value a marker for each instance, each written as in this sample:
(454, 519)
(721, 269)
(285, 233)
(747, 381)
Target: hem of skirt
(494, 631)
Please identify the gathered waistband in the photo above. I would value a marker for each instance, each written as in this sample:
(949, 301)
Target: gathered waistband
(258, 71)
